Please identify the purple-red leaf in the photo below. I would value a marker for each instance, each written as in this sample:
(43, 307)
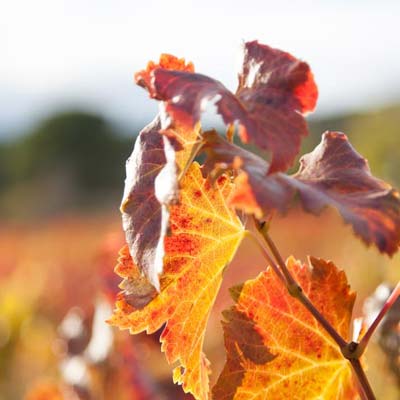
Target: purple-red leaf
(274, 90)
(334, 174)
(141, 210)
(152, 174)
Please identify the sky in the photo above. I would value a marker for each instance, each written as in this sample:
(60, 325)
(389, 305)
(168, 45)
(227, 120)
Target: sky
(56, 54)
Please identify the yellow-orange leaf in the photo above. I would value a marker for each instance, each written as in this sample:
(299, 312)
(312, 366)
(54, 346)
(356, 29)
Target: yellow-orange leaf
(205, 234)
(275, 347)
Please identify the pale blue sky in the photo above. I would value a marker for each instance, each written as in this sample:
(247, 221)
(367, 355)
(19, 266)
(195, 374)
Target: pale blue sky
(56, 53)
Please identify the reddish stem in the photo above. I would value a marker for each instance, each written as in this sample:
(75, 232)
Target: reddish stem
(365, 389)
(386, 307)
(269, 259)
(294, 288)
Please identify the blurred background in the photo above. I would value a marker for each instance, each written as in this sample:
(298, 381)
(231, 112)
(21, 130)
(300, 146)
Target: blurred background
(69, 116)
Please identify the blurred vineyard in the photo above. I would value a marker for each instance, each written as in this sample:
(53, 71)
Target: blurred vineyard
(57, 289)
(60, 234)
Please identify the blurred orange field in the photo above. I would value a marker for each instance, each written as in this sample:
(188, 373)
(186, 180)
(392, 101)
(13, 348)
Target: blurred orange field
(57, 287)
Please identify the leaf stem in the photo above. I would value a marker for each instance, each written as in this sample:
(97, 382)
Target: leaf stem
(294, 288)
(269, 259)
(263, 229)
(195, 151)
(386, 307)
(365, 388)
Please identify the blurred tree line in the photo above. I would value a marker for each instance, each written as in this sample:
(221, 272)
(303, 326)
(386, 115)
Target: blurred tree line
(72, 160)
(76, 160)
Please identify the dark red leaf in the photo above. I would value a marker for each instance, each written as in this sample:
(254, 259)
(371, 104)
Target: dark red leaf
(152, 181)
(256, 192)
(334, 174)
(141, 210)
(274, 90)
(152, 175)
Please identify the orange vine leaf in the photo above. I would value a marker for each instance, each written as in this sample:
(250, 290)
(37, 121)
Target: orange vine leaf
(204, 236)
(167, 61)
(275, 347)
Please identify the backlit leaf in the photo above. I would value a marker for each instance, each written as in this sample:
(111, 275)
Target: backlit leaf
(167, 61)
(275, 347)
(141, 211)
(334, 174)
(204, 237)
(255, 191)
(274, 90)
(152, 173)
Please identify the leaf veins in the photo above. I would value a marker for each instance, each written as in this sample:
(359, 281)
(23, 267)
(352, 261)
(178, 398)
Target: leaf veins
(205, 234)
(275, 347)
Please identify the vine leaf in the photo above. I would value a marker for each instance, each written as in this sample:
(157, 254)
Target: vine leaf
(141, 211)
(167, 61)
(333, 174)
(204, 237)
(275, 90)
(152, 173)
(159, 158)
(276, 348)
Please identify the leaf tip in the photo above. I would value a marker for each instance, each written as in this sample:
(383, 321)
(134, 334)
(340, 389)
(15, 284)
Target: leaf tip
(235, 291)
(334, 135)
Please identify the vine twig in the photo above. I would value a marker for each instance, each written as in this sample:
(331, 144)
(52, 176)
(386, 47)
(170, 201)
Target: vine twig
(269, 259)
(296, 291)
(365, 388)
(388, 304)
